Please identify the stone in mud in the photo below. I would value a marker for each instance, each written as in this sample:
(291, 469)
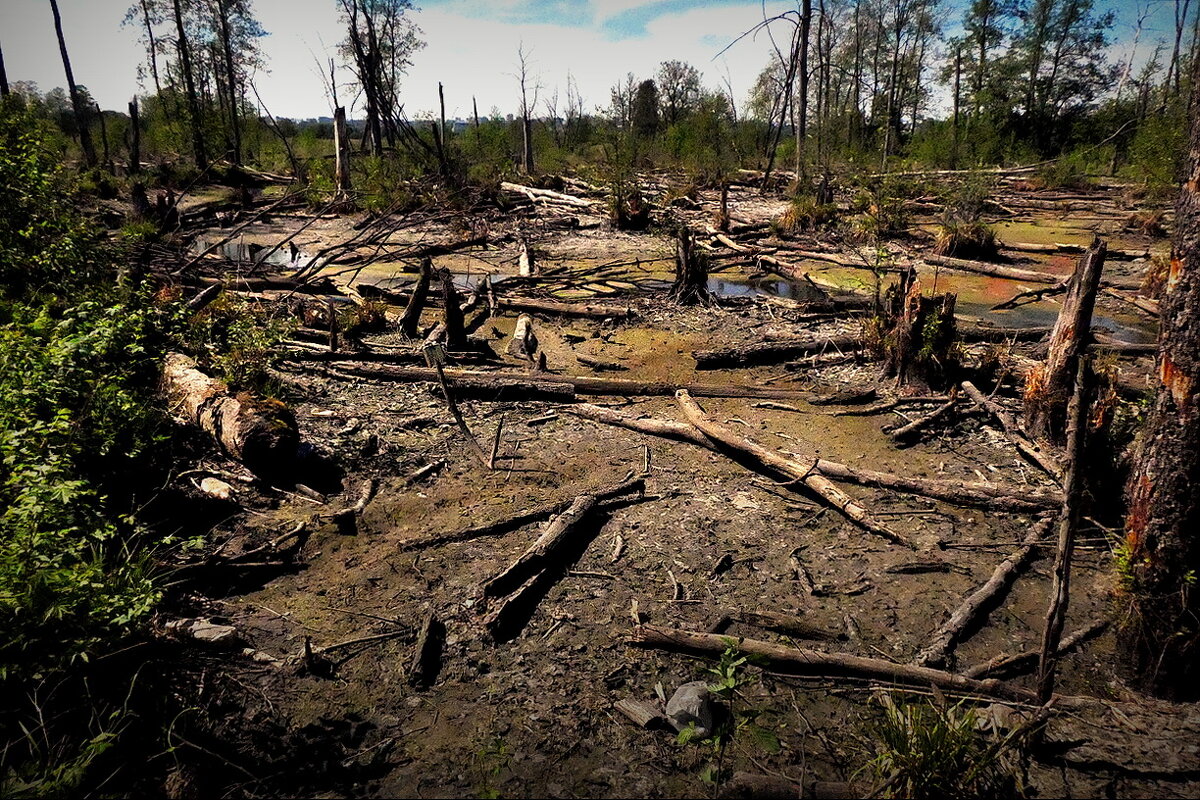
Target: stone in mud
(691, 703)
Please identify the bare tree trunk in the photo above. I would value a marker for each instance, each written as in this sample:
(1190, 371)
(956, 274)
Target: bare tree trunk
(1162, 530)
(104, 139)
(81, 117)
(957, 103)
(788, 83)
(802, 127)
(3, 76)
(231, 81)
(189, 80)
(341, 146)
(135, 136)
(152, 44)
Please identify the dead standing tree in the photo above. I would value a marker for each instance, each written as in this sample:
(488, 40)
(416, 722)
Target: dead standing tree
(1162, 531)
(919, 333)
(77, 104)
(691, 271)
(528, 103)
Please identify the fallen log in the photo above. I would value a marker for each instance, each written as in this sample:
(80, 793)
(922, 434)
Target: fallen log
(976, 332)
(983, 495)
(259, 432)
(994, 270)
(937, 652)
(1063, 247)
(777, 350)
(535, 514)
(777, 464)
(589, 310)
(564, 387)
(428, 653)
(1013, 432)
(546, 195)
(920, 423)
(1145, 304)
(813, 663)
(538, 556)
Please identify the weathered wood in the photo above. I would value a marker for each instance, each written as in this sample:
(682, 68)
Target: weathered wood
(341, 150)
(1068, 524)
(691, 271)
(535, 514)
(921, 333)
(1011, 665)
(456, 335)
(994, 270)
(984, 495)
(777, 350)
(556, 308)
(410, 322)
(1048, 386)
(777, 464)
(1013, 432)
(943, 640)
(641, 713)
(427, 655)
(203, 298)
(545, 195)
(564, 387)
(538, 556)
(261, 433)
(801, 661)
(922, 422)
(1151, 307)
(524, 342)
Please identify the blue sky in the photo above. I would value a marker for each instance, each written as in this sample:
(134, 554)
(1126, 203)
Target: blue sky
(471, 46)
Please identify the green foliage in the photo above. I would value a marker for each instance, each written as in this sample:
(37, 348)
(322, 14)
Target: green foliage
(236, 338)
(1158, 148)
(931, 749)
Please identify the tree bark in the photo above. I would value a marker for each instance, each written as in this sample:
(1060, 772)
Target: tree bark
(1162, 529)
(189, 81)
(77, 105)
(341, 147)
(260, 433)
(230, 80)
(1048, 386)
(135, 138)
(410, 323)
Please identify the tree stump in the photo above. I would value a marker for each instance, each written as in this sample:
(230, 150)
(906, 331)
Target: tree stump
(1048, 385)
(524, 343)
(410, 323)
(691, 271)
(920, 334)
(456, 334)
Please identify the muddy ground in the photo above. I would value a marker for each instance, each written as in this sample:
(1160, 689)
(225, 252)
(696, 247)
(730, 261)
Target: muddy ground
(534, 715)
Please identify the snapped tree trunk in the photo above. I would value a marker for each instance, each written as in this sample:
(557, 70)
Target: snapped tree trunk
(691, 271)
(921, 333)
(1162, 529)
(1048, 386)
(260, 433)
(135, 139)
(341, 146)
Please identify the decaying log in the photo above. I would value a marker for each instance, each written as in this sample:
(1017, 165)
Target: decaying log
(975, 332)
(801, 661)
(410, 323)
(204, 298)
(641, 713)
(1012, 665)
(771, 351)
(936, 654)
(511, 385)
(259, 432)
(1062, 247)
(546, 195)
(556, 308)
(777, 464)
(1013, 432)
(1048, 386)
(428, 653)
(983, 495)
(1145, 304)
(536, 514)
(540, 553)
(994, 270)
(920, 423)
(526, 263)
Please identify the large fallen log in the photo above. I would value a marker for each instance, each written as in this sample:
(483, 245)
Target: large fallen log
(546, 195)
(537, 557)
(562, 387)
(801, 661)
(775, 463)
(772, 351)
(994, 270)
(1063, 247)
(259, 432)
(977, 494)
(937, 652)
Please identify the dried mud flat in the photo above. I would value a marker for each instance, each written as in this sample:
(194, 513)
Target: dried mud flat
(533, 714)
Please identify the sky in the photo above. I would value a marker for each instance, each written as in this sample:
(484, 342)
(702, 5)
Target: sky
(471, 47)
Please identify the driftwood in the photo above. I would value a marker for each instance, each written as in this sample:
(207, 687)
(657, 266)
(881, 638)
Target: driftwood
(984, 495)
(779, 349)
(800, 661)
(536, 514)
(1013, 432)
(545, 195)
(641, 713)
(777, 464)
(538, 556)
(936, 653)
(261, 433)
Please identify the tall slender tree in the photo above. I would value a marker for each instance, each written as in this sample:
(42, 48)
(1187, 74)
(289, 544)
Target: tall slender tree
(77, 104)
(196, 117)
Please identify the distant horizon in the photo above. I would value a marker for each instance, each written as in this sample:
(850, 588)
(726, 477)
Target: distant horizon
(470, 48)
